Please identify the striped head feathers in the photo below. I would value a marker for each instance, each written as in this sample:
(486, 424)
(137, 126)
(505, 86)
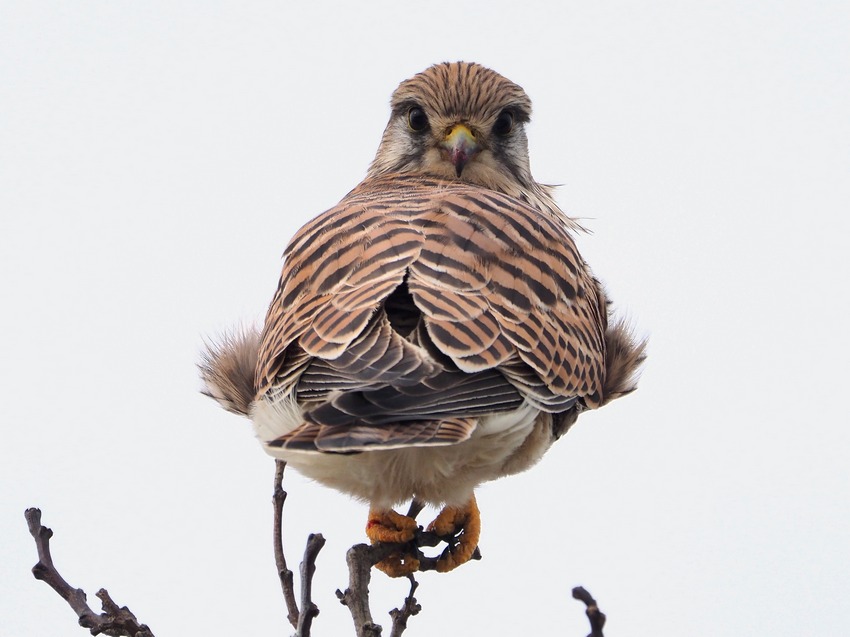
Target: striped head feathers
(464, 122)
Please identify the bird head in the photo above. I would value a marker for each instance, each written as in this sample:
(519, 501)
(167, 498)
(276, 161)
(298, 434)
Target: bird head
(459, 120)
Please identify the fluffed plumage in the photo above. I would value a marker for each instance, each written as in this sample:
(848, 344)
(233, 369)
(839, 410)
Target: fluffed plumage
(437, 328)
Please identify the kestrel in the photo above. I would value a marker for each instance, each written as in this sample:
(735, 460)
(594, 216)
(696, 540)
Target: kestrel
(437, 328)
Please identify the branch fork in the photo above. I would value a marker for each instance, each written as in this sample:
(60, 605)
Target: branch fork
(115, 620)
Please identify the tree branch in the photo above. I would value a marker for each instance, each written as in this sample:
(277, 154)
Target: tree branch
(113, 621)
(409, 608)
(283, 572)
(309, 610)
(360, 559)
(595, 616)
(301, 620)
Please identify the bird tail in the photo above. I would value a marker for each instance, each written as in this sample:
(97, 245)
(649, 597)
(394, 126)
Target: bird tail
(227, 368)
(624, 354)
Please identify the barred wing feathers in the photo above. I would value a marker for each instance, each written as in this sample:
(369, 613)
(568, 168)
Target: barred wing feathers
(417, 301)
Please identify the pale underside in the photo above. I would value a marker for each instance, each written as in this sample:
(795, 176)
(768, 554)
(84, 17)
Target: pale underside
(501, 445)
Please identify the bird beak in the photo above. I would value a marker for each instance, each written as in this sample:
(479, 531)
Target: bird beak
(460, 145)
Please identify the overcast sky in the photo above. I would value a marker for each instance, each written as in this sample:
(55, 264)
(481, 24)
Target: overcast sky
(155, 158)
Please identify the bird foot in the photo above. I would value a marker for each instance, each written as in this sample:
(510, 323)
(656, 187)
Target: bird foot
(399, 564)
(385, 525)
(460, 527)
(389, 526)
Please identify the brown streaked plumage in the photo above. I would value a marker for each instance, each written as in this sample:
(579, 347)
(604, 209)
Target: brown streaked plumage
(437, 328)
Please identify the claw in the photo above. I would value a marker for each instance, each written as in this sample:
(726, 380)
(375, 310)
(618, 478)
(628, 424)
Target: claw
(465, 520)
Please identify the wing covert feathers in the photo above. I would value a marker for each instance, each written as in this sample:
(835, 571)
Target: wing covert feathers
(496, 285)
(352, 439)
(416, 306)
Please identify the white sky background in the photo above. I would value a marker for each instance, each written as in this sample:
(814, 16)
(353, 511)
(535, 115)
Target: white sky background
(155, 158)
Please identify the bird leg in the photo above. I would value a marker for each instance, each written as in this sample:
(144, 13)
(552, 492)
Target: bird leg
(463, 520)
(386, 525)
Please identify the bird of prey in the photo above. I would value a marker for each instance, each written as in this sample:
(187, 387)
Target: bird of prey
(437, 328)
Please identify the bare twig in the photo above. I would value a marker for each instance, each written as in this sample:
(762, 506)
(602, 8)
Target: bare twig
(301, 620)
(113, 621)
(415, 509)
(360, 559)
(409, 608)
(309, 610)
(283, 572)
(594, 615)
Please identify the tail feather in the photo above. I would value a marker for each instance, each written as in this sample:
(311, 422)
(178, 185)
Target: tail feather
(624, 354)
(227, 369)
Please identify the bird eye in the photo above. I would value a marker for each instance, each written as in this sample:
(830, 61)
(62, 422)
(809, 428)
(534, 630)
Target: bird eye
(504, 123)
(417, 120)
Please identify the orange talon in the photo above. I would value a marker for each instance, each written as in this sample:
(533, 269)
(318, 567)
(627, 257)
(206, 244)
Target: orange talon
(398, 565)
(385, 525)
(450, 521)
